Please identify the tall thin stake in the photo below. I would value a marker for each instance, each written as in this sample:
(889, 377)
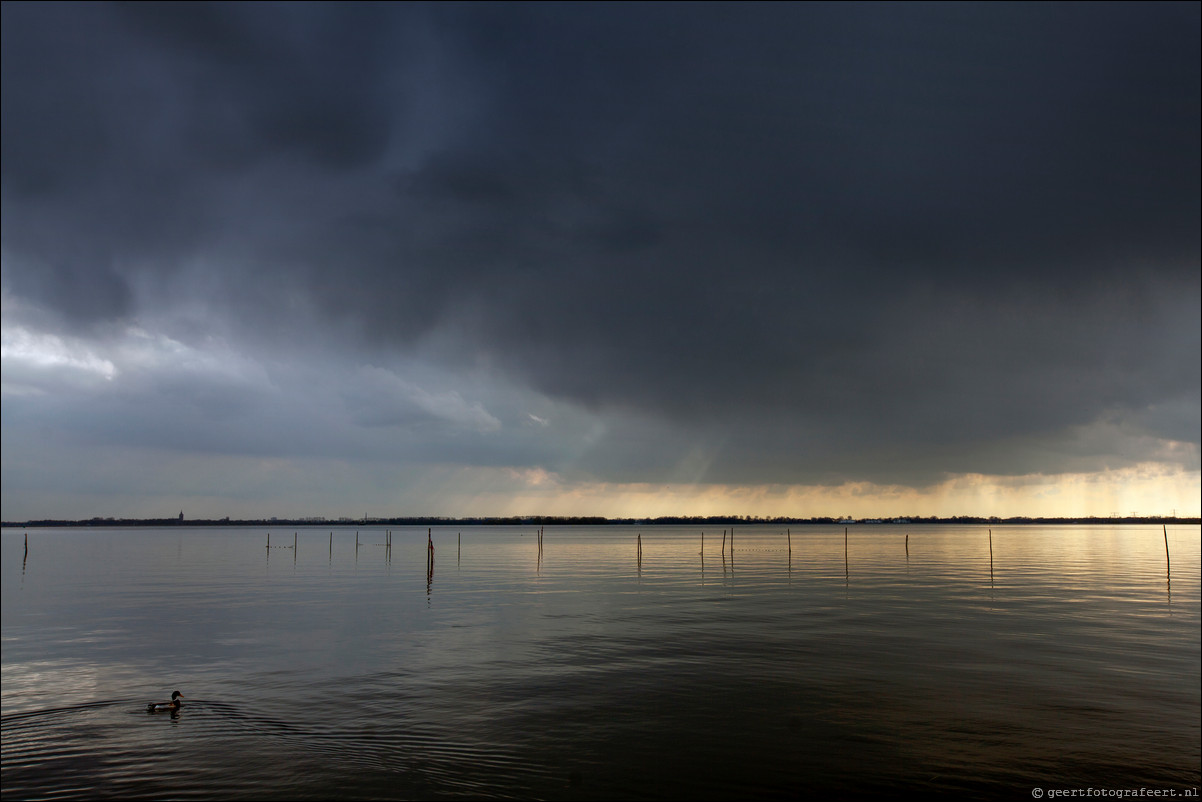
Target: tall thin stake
(1166, 549)
(429, 562)
(991, 554)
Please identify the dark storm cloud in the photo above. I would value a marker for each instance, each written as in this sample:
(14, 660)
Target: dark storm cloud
(822, 240)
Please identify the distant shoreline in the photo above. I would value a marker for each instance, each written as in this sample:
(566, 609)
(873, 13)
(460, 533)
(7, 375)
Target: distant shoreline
(553, 520)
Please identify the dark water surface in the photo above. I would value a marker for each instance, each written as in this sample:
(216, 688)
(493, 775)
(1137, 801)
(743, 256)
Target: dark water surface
(336, 671)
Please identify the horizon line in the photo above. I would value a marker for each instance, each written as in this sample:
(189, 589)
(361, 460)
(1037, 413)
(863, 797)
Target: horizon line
(594, 520)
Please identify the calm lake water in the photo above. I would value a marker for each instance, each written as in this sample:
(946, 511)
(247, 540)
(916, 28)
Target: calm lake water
(331, 670)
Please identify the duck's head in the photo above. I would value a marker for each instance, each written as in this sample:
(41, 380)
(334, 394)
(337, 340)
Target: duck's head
(176, 696)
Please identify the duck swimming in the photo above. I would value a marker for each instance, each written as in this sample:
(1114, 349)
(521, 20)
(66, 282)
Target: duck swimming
(163, 707)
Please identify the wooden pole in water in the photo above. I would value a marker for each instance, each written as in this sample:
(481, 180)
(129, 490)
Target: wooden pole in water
(294, 541)
(1165, 527)
(907, 544)
(845, 567)
(459, 546)
(991, 554)
(640, 542)
(723, 542)
(268, 540)
(702, 542)
(789, 535)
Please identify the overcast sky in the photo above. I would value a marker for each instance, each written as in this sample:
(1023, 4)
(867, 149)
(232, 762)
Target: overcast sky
(797, 259)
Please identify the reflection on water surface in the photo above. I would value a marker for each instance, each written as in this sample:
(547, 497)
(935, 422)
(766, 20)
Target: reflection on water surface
(341, 664)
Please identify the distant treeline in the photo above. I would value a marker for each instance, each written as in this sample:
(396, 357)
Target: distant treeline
(558, 520)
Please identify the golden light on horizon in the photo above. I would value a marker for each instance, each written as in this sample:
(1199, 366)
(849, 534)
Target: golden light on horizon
(1142, 490)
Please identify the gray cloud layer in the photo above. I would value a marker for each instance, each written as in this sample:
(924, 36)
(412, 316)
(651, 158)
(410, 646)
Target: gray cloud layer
(816, 242)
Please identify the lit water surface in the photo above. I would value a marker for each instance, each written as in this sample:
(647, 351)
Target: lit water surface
(331, 670)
